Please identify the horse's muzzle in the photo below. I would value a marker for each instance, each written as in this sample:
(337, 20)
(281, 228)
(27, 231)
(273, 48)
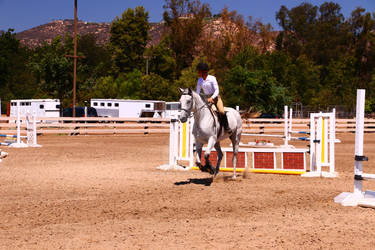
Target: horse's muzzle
(183, 119)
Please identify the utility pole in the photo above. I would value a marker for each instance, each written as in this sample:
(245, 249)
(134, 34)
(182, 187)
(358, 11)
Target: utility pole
(75, 57)
(146, 65)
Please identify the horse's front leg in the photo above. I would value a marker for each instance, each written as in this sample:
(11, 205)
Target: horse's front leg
(210, 147)
(198, 148)
(219, 157)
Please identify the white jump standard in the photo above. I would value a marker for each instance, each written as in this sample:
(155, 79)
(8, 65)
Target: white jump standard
(180, 144)
(322, 144)
(358, 197)
(31, 132)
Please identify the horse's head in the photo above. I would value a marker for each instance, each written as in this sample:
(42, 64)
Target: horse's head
(187, 103)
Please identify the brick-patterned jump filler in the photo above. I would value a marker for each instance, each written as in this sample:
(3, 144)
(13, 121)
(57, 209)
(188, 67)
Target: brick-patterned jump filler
(281, 160)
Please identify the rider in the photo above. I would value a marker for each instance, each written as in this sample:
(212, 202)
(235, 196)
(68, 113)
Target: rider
(210, 88)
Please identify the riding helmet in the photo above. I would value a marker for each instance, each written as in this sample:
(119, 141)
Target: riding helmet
(202, 67)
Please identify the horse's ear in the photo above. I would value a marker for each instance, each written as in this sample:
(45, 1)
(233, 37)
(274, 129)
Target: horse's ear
(190, 91)
(181, 90)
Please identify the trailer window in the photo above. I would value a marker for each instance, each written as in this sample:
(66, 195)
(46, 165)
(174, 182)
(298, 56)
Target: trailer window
(159, 106)
(102, 104)
(58, 106)
(116, 104)
(148, 105)
(95, 104)
(109, 104)
(176, 106)
(41, 106)
(173, 106)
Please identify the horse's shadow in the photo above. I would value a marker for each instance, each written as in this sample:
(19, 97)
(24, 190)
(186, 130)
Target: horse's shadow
(197, 181)
(205, 181)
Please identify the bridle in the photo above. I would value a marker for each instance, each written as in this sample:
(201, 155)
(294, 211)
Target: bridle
(188, 111)
(205, 105)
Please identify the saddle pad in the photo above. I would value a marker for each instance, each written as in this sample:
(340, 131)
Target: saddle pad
(213, 107)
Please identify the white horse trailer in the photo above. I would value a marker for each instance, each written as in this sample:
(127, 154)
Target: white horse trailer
(41, 107)
(172, 109)
(128, 108)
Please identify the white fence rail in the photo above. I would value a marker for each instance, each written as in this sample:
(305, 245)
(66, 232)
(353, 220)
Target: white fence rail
(101, 125)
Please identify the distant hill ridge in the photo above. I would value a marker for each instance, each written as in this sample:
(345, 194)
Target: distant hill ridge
(36, 36)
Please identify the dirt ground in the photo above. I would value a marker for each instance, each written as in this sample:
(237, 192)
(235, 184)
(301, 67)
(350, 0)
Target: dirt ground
(104, 192)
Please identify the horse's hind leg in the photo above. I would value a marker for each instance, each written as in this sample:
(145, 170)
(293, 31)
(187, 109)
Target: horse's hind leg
(219, 157)
(235, 138)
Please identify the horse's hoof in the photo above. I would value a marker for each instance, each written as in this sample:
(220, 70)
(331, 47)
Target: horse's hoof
(199, 166)
(214, 175)
(203, 169)
(234, 177)
(217, 170)
(209, 168)
(212, 170)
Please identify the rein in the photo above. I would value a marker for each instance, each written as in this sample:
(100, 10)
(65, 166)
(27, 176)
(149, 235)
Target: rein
(188, 110)
(205, 105)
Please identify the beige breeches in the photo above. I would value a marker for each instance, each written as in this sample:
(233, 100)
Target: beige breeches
(219, 105)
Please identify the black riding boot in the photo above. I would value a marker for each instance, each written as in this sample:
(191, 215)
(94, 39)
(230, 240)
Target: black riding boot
(224, 120)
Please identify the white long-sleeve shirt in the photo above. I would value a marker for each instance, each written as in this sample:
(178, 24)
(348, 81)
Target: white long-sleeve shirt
(209, 86)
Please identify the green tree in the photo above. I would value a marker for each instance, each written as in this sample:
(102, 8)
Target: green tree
(305, 81)
(298, 27)
(278, 63)
(224, 37)
(124, 86)
(129, 37)
(185, 20)
(331, 56)
(15, 80)
(254, 90)
(105, 87)
(161, 60)
(331, 37)
(129, 85)
(320, 33)
(155, 87)
(53, 70)
(96, 63)
(362, 26)
(340, 83)
(9, 46)
(97, 57)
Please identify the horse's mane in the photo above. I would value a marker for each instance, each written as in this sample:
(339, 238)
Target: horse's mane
(198, 96)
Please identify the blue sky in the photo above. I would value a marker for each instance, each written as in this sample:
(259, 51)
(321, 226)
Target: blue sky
(25, 14)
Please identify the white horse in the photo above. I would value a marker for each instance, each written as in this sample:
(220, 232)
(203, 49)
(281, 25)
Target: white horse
(208, 130)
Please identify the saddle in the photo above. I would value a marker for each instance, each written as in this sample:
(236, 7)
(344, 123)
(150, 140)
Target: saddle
(223, 120)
